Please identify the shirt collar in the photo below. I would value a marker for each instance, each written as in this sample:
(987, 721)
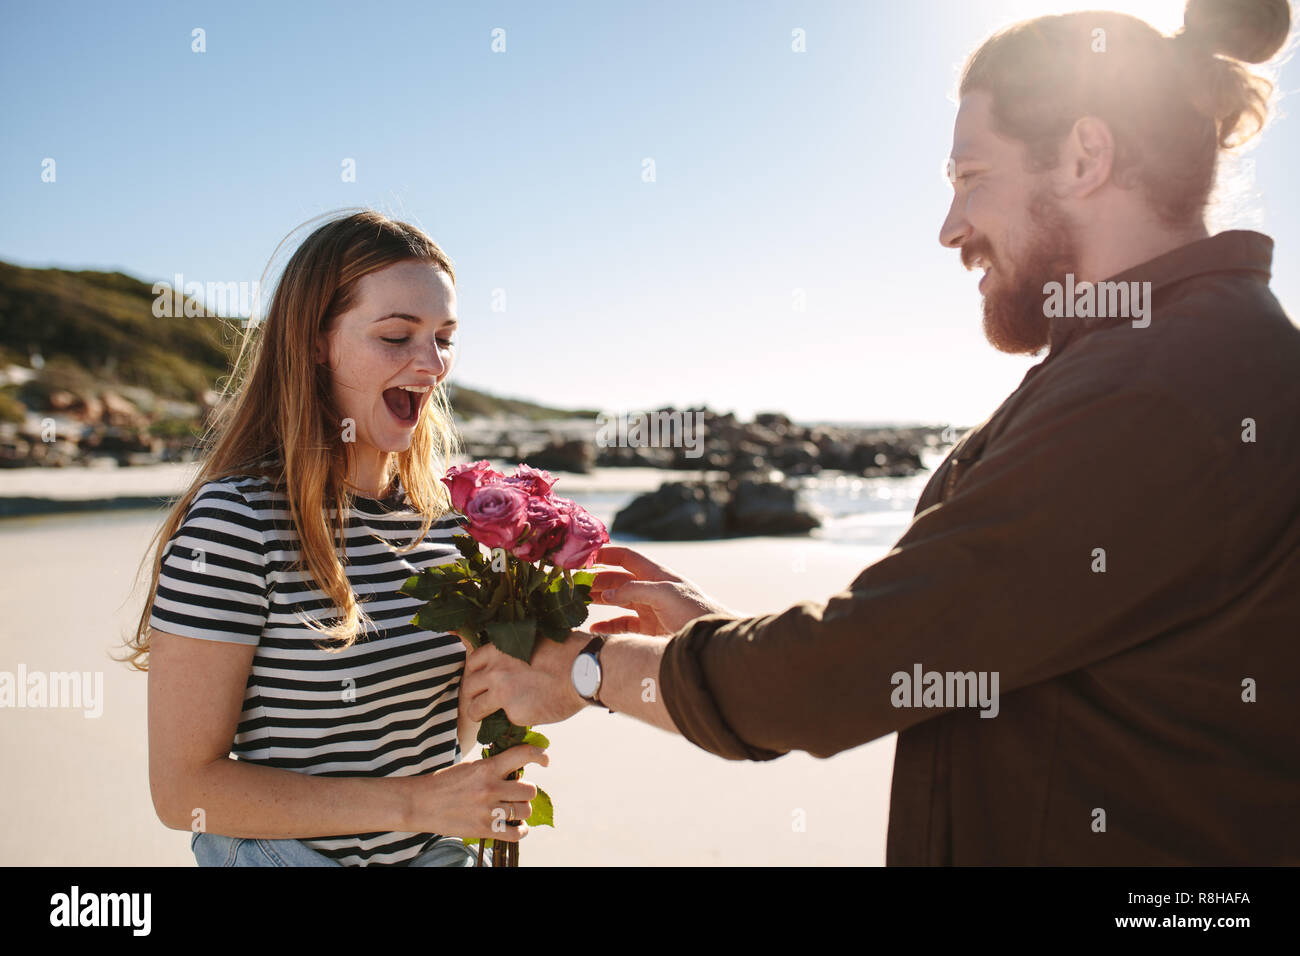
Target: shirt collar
(1236, 250)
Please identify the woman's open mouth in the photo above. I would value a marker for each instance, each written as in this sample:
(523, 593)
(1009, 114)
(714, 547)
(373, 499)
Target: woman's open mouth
(405, 402)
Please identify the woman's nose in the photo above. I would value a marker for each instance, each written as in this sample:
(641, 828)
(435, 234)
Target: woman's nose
(432, 360)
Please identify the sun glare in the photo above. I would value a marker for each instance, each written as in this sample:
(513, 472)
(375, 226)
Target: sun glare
(1165, 15)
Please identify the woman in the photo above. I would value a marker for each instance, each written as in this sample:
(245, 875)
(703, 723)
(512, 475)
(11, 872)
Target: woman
(343, 717)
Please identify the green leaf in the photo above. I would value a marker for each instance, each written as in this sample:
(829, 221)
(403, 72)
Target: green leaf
(431, 584)
(515, 638)
(543, 814)
(536, 739)
(422, 586)
(494, 725)
(561, 608)
(467, 546)
(513, 737)
(450, 614)
(575, 612)
(551, 621)
(555, 631)
(471, 591)
(499, 597)
(583, 579)
(536, 580)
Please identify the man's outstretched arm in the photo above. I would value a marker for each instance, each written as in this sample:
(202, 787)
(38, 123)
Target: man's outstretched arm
(1000, 578)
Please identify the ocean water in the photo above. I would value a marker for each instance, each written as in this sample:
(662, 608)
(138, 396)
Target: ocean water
(853, 510)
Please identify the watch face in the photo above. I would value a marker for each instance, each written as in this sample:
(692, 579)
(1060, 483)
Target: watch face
(586, 675)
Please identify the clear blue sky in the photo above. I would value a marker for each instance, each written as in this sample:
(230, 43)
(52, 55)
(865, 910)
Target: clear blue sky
(775, 171)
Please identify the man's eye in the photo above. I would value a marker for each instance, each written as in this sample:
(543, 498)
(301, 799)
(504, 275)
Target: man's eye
(447, 343)
(396, 341)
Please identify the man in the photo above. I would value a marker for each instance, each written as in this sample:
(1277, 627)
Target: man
(1113, 556)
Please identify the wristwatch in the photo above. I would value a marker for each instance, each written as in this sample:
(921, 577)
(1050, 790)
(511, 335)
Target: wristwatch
(586, 675)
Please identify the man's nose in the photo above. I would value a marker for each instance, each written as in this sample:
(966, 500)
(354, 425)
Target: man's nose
(955, 229)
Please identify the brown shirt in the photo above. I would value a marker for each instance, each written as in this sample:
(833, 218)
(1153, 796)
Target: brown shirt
(1148, 713)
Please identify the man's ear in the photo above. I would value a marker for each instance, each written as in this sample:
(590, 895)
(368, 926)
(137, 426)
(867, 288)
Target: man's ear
(1087, 156)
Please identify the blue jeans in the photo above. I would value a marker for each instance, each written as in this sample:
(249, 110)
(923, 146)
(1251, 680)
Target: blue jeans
(212, 849)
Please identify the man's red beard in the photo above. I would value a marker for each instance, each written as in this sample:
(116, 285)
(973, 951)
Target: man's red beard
(1013, 307)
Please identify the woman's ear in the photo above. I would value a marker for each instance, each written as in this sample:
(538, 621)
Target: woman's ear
(322, 350)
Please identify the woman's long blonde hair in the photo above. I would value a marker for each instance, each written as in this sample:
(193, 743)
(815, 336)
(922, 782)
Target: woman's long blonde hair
(280, 421)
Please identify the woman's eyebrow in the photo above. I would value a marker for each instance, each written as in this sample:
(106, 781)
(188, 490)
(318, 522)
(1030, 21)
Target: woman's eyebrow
(414, 318)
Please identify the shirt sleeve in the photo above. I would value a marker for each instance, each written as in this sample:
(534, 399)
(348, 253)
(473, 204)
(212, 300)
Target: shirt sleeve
(1001, 577)
(212, 581)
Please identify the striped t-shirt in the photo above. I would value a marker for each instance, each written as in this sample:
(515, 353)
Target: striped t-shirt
(385, 707)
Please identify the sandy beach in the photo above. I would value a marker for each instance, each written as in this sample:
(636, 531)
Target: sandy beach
(625, 793)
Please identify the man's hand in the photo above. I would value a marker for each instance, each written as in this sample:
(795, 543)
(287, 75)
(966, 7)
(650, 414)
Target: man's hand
(538, 693)
(664, 601)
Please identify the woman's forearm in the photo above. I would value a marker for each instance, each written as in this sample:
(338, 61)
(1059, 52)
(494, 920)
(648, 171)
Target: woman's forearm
(242, 799)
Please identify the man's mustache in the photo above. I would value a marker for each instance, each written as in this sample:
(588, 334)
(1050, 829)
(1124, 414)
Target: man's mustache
(972, 251)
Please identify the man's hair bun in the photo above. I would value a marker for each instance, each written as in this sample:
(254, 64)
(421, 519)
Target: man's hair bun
(1251, 31)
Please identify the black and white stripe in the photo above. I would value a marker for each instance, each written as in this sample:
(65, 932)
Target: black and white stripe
(384, 707)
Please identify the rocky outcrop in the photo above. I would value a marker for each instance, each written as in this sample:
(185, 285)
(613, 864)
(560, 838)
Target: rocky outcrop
(564, 455)
(706, 440)
(767, 507)
(678, 511)
(683, 511)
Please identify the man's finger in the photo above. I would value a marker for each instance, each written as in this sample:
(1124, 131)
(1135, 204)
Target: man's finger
(618, 625)
(649, 593)
(607, 580)
(634, 561)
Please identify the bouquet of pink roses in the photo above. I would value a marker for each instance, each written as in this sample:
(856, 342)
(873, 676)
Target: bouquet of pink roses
(529, 585)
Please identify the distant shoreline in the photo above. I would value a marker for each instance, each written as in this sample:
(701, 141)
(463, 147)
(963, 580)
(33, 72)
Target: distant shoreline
(27, 492)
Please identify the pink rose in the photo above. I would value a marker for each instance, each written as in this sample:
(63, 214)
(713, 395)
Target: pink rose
(463, 480)
(532, 480)
(585, 536)
(498, 515)
(547, 524)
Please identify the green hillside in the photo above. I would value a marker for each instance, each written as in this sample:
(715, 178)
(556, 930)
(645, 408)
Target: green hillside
(96, 330)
